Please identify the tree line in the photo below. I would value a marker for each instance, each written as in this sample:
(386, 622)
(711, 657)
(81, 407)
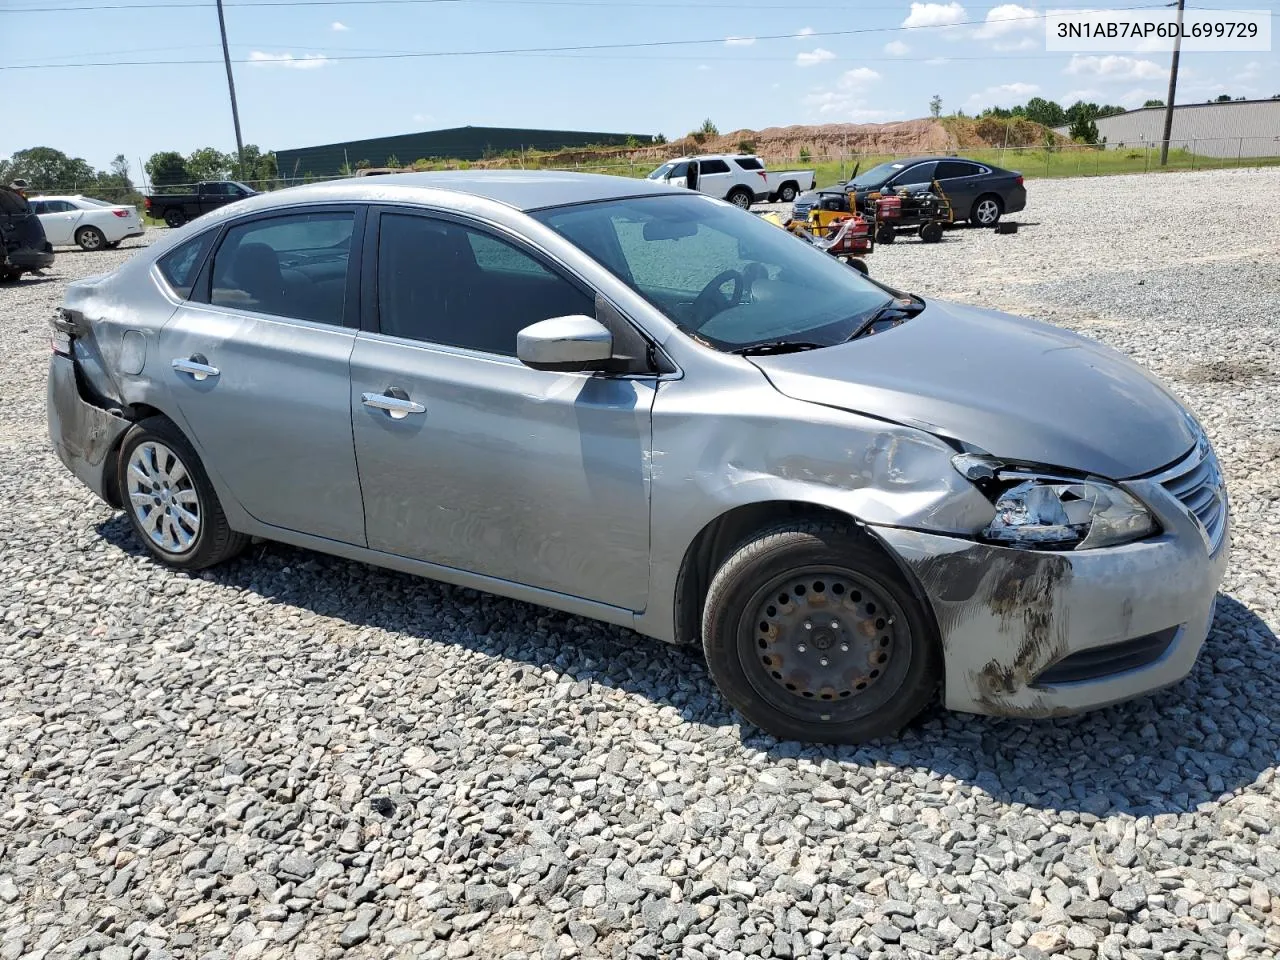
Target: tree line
(47, 170)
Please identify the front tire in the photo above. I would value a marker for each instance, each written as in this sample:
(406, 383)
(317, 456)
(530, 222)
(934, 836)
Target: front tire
(986, 211)
(174, 217)
(813, 634)
(931, 232)
(170, 502)
(740, 197)
(90, 238)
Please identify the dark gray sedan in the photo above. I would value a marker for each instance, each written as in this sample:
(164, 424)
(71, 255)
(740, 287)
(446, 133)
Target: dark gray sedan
(639, 404)
(979, 192)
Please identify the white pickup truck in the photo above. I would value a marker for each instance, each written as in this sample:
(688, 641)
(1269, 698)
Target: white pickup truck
(742, 179)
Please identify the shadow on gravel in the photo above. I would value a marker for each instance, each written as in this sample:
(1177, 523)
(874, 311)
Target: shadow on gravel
(1188, 745)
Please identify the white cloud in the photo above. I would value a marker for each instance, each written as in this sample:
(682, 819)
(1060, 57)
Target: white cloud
(739, 41)
(804, 32)
(1113, 67)
(896, 48)
(704, 68)
(934, 15)
(1007, 19)
(308, 61)
(1005, 46)
(1003, 95)
(844, 100)
(338, 27)
(814, 57)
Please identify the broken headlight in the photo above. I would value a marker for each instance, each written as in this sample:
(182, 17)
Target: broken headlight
(1047, 512)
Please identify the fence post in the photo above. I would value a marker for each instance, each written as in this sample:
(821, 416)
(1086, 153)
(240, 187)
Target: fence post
(1193, 153)
(1240, 153)
(1097, 166)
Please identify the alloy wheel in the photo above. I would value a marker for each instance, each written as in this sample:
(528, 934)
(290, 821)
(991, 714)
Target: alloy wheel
(163, 497)
(988, 211)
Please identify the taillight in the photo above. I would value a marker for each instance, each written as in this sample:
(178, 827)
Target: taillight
(121, 213)
(1019, 179)
(147, 203)
(64, 329)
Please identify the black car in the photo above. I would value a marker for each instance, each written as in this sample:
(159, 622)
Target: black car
(979, 192)
(23, 246)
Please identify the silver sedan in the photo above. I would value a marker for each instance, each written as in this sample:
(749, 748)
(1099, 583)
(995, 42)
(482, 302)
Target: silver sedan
(642, 405)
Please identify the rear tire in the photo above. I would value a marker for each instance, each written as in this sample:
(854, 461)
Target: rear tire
(169, 500)
(174, 217)
(740, 197)
(813, 634)
(860, 265)
(986, 211)
(90, 238)
(10, 274)
(787, 193)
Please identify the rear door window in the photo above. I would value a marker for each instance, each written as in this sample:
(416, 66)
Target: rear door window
(289, 266)
(712, 166)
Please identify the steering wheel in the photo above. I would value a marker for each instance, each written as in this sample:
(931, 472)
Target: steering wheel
(711, 301)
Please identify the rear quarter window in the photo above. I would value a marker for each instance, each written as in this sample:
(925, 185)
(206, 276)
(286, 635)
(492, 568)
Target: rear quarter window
(749, 163)
(181, 265)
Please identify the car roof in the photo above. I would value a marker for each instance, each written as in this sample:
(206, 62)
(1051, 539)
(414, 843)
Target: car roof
(519, 189)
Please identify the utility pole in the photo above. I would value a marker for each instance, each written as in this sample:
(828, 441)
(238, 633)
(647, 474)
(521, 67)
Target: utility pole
(231, 86)
(1173, 87)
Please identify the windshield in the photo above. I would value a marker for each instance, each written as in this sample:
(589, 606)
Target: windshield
(670, 169)
(725, 277)
(877, 175)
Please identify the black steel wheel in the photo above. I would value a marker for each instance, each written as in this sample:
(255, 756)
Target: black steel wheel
(174, 217)
(885, 234)
(813, 634)
(931, 232)
(860, 265)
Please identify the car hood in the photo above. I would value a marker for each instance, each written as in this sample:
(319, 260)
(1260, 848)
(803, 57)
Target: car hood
(1015, 388)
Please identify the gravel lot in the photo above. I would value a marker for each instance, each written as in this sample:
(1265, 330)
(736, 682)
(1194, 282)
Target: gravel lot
(299, 756)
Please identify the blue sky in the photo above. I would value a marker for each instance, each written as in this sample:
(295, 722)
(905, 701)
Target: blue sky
(294, 89)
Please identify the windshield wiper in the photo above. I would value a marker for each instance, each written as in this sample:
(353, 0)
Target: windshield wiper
(893, 310)
(776, 346)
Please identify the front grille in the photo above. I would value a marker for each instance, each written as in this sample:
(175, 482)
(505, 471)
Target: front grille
(1105, 661)
(1197, 484)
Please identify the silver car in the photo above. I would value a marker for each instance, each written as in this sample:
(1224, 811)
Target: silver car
(643, 405)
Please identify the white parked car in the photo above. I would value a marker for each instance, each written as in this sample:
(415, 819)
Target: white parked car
(93, 224)
(742, 179)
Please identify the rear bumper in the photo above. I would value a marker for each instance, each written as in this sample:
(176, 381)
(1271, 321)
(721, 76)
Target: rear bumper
(1016, 200)
(82, 434)
(1038, 633)
(28, 259)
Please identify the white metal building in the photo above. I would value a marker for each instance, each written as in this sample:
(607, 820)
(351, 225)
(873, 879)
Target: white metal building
(1240, 128)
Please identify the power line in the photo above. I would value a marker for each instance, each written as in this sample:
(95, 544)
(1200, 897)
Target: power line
(573, 48)
(192, 4)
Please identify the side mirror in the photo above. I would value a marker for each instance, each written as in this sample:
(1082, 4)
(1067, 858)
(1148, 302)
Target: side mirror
(569, 343)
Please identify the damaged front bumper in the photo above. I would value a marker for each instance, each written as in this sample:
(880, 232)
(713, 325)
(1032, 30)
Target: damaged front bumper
(82, 433)
(1037, 633)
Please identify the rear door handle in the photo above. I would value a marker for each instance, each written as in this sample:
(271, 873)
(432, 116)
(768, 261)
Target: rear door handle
(397, 408)
(197, 366)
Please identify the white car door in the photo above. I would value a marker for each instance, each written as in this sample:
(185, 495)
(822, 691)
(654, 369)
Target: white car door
(59, 219)
(715, 178)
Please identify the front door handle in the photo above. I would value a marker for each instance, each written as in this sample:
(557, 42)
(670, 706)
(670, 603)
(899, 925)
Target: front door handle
(397, 407)
(196, 365)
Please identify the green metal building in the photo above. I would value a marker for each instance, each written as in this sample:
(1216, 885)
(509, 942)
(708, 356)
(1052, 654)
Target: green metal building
(458, 143)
